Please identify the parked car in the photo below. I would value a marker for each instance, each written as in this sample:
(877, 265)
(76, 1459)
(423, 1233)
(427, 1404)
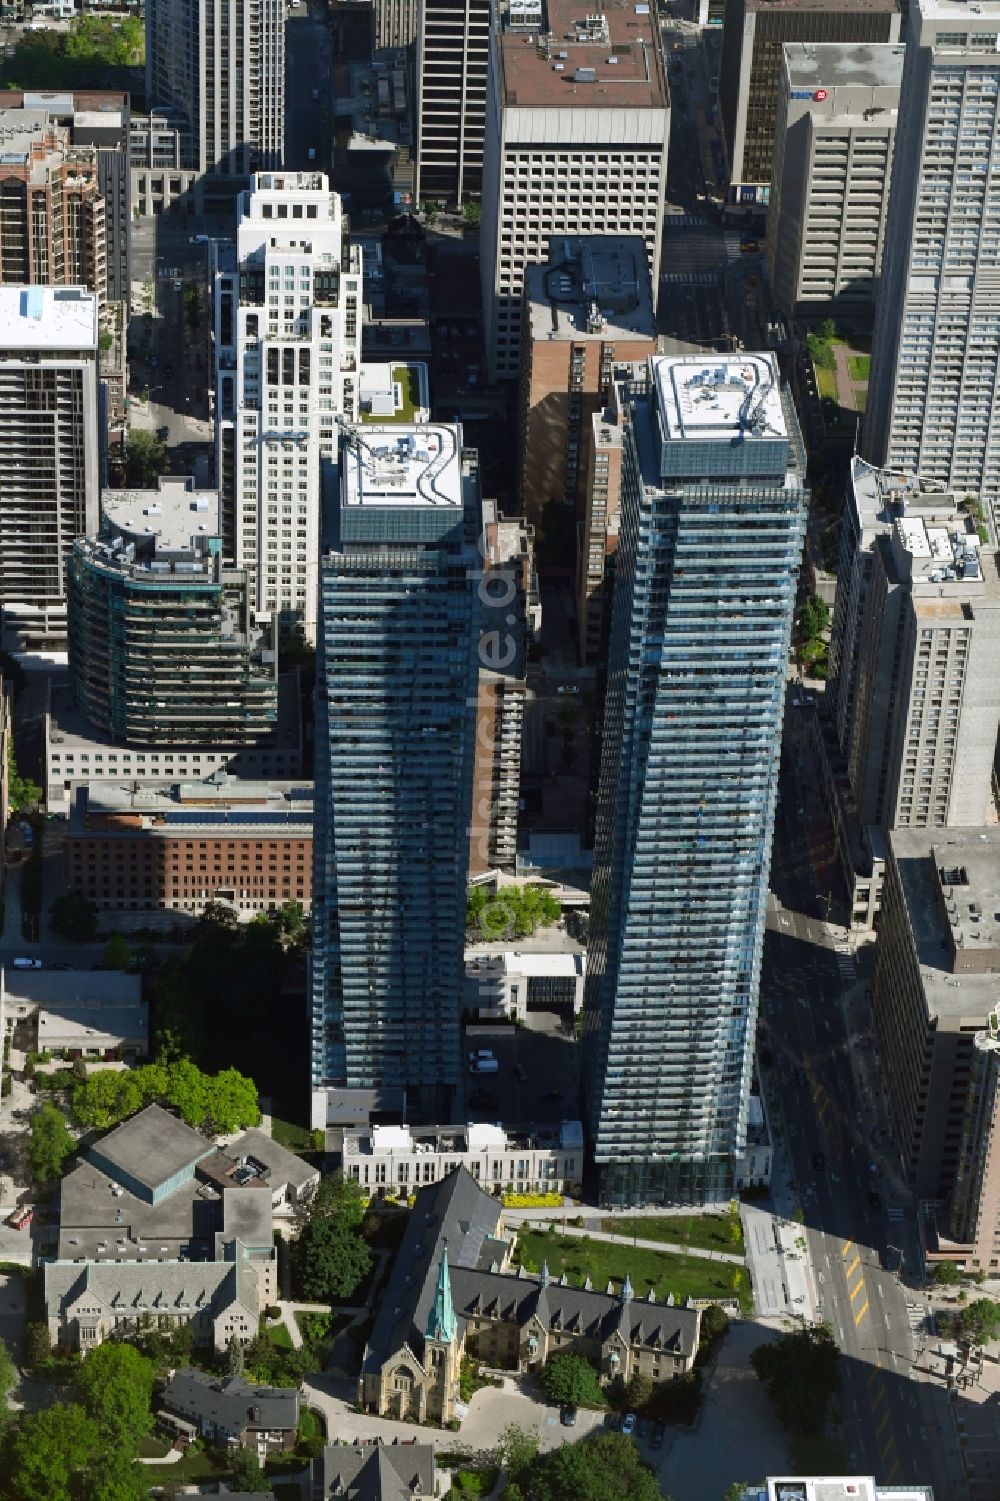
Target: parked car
(628, 1424)
(178, 286)
(656, 1441)
(27, 963)
(819, 1162)
(643, 1427)
(567, 1417)
(163, 433)
(21, 1218)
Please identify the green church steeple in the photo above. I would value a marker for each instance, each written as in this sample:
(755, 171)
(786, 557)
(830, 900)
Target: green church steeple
(442, 1323)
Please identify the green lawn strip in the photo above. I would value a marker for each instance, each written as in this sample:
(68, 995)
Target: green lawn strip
(152, 1446)
(859, 365)
(710, 1232)
(663, 1271)
(826, 381)
(409, 391)
(203, 1464)
(287, 1134)
(279, 1336)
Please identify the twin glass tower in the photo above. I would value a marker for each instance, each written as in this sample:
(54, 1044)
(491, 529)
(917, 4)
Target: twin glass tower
(712, 521)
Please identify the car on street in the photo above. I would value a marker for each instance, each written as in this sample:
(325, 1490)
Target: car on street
(643, 1427)
(178, 286)
(163, 433)
(628, 1424)
(819, 1162)
(614, 1421)
(875, 1200)
(656, 1440)
(567, 1417)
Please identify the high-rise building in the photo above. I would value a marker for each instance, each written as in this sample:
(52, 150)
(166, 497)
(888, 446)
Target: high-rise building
(395, 728)
(912, 677)
(453, 50)
(162, 647)
(933, 989)
(598, 530)
(712, 519)
(934, 396)
(590, 306)
(577, 125)
(395, 23)
(836, 126)
(219, 69)
(970, 1232)
(751, 63)
(288, 351)
(49, 449)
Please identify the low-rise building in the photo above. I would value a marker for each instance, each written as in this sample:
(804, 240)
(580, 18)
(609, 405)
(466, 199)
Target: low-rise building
(79, 1013)
(375, 1472)
(151, 1228)
(291, 1180)
(230, 1412)
(752, 1168)
(172, 851)
(835, 1488)
(400, 1159)
(511, 982)
(453, 1293)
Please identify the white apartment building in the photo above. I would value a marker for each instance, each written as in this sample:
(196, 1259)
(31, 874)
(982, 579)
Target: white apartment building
(837, 105)
(577, 128)
(401, 1159)
(288, 343)
(934, 397)
(219, 66)
(48, 451)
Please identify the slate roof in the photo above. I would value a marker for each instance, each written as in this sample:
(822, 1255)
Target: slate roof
(230, 1402)
(374, 1472)
(453, 1209)
(170, 1287)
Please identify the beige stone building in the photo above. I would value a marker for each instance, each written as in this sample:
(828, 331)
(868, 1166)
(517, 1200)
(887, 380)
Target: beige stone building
(454, 1292)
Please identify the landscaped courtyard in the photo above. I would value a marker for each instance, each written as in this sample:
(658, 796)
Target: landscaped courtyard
(664, 1272)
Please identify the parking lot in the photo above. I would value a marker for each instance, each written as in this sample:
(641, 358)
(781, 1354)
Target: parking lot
(538, 1081)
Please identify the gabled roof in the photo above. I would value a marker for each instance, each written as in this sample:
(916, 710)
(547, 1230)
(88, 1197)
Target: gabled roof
(145, 1287)
(374, 1472)
(230, 1402)
(453, 1211)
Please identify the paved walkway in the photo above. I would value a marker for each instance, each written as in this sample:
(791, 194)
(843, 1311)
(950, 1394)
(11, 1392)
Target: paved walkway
(291, 1323)
(674, 1247)
(170, 1458)
(848, 389)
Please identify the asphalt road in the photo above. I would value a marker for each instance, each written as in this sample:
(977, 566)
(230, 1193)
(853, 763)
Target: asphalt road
(823, 1085)
(307, 69)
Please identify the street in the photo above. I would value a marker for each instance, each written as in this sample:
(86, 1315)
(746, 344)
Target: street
(827, 1105)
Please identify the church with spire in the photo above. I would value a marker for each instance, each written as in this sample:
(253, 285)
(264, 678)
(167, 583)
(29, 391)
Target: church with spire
(454, 1292)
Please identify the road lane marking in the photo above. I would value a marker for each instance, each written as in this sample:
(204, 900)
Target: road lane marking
(861, 1313)
(878, 1397)
(893, 1471)
(849, 1271)
(845, 1248)
(881, 1424)
(888, 1448)
(860, 1286)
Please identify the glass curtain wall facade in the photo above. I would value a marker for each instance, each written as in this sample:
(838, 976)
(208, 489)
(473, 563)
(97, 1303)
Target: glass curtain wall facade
(705, 579)
(395, 731)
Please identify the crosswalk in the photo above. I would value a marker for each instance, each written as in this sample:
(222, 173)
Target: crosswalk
(733, 251)
(685, 221)
(916, 1316)
(691, 278)
(848, 972)
(895, 1213)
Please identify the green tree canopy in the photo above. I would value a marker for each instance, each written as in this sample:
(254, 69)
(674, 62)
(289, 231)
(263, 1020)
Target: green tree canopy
(946, 1274)
(50, 1452)
(979, 1320)
(569, 1379)
(335, 1260)
(23, 792)
(114, 1386)
(341, 1199)
(73, 916)
(220, 1103)
(49, 1143)
(801, 1372)
(510, 912)
(37, 1343)
(601, 1466)
(115, 1476)
(117, 952)
(145, 458)
(248, 1474)
(8, 1381)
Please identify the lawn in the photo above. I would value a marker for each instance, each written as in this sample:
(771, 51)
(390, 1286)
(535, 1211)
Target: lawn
(288, 1134)
(279, 1336)
(663, 1271)
(826, 381)
(859, 365)
(710, 1232)
(203, 1464)
(409, 389)
(152, 1446)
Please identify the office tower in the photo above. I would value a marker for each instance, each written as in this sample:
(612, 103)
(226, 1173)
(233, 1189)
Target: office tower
(395, 23)
(912, 678)
(933, 407)
(51, 207)
(590, 306)
(217, 69)
(577, 124)
(288, 351)
(48, 449)
(599, 530)
(395, 726)
(832, 161)
(162, 648)
(453, 49)
(511, 619)
(970, 1231)
(712, 519)
(933, 989)
(96, 119)
(751, 63)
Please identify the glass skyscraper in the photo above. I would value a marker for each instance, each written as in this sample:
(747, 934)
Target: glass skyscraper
(712, 520)
(395, 731)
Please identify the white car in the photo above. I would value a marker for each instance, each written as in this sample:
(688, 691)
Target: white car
(628, 1426)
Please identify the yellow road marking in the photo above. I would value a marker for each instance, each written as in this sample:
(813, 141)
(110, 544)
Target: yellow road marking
(853, 1267)
(872, 1378)
(888, 1448)
(893, 1470)
(878, 1397)
(861, 1313)
(881, 1425)
(861, 1283)
(845, 1248)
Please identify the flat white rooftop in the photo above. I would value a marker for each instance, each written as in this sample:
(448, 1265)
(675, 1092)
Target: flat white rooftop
(403, 465)
(716, 398)
(52, 318)
(174, 513)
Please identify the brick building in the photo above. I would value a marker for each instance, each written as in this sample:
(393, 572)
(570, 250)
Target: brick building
(243, 843)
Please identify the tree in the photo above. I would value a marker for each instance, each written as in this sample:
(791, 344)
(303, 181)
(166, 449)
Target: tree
(290, 921)
(74, 917)
(946, 1274)
(235, 1357)
(247, 1473)
(569, 1379)
(22, 791)
(115, 1476)
(37, 1343)
(49, 1144)
(601, 1465)
(223, 1102)
(117, 953)
(801, 1372)
(517, 1451)
(638, 1390)
(737, 1491)
(8, 1381)
(335, 1260)
(714, 1322)
(339, 1198)
(50, 1450)
(980, 1320)
(114, 1386)
(145, 458)
(217, 917)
